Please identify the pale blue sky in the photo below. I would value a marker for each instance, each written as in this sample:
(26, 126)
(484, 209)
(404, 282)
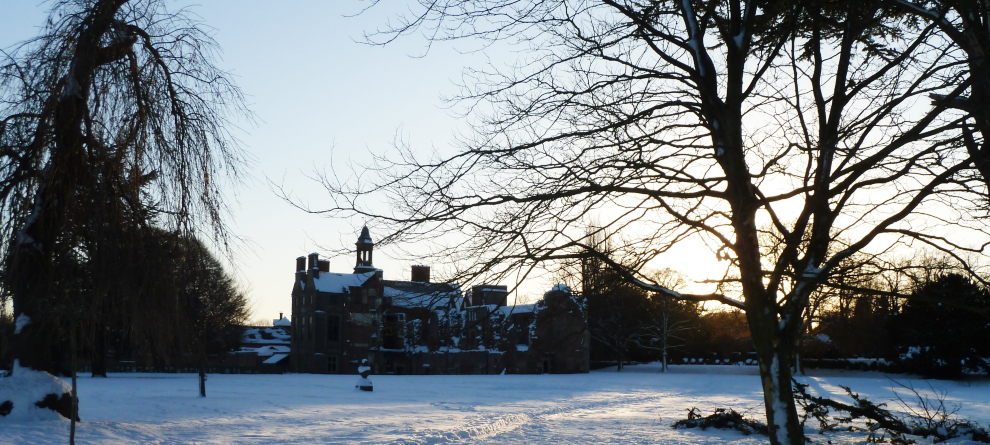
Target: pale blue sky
(313, 89)
(321, 98)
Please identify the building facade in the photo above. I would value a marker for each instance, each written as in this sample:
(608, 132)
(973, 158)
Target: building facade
(421, 327)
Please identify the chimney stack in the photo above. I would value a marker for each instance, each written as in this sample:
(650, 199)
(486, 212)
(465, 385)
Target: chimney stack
(301, 268)
(313, 269)
(280, 316)
(420, 274)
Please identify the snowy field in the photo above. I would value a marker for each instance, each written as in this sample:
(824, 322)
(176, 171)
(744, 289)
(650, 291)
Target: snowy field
(637, 405)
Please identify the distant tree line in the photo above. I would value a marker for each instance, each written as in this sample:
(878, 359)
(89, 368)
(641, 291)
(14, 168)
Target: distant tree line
(940, 329)
(180, 307)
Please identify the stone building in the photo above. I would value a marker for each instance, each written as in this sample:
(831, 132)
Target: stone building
(421, 327)
(265, 348)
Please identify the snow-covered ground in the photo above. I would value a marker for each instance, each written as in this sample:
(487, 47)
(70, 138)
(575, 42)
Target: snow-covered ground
(637, 405)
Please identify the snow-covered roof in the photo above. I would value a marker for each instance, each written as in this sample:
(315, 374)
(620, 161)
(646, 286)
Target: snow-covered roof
(518, 309)
(338, 283)
(275, 359)
(266, 351)
(411, 294)
(561, 287)
(282, 322)
(275, 335)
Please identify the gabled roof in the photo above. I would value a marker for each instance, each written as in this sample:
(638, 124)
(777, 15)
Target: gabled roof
(411, 294)
(338, 283)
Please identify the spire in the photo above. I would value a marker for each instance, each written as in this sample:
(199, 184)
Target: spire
(365, 237)
(365, 248)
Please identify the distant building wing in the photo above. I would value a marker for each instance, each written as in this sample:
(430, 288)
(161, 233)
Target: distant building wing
(273, 335)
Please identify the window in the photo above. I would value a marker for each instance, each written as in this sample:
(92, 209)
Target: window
(333, 328)
(332, 364)
(372, 292)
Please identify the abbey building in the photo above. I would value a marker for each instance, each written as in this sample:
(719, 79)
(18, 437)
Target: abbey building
(421, 327)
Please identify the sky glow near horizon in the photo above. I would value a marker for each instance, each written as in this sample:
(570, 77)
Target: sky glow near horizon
(321, 101)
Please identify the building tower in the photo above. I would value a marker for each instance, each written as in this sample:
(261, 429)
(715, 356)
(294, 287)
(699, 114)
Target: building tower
(364, 252)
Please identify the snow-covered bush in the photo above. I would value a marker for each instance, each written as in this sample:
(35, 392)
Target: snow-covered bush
(721, 419)
(34, 395)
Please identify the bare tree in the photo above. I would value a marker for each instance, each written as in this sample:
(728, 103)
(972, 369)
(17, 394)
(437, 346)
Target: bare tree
(621, 321)
(625, 321)
(966, 23)
(673, 316)
(113, 122)
(673, 120)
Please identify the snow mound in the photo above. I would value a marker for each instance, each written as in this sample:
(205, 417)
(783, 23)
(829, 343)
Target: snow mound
(25, 388)
(561, 288)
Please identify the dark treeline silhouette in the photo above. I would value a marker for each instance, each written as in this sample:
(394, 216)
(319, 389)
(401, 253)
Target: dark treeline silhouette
(177, 307)
(939, 329)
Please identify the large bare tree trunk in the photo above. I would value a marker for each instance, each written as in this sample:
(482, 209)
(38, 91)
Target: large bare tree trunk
(774, 353)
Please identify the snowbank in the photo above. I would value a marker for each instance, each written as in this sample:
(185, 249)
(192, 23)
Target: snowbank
(601, 407)
(25, 388)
